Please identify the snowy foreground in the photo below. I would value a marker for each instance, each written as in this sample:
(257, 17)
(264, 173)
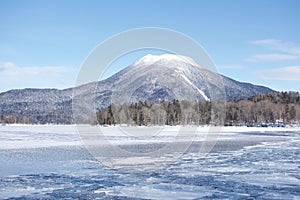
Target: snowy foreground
(59, 162)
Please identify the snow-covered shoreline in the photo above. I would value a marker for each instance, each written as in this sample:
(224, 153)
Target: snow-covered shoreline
(223, 128)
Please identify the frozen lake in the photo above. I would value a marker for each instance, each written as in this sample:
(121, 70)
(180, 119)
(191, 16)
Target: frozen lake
(51, 162)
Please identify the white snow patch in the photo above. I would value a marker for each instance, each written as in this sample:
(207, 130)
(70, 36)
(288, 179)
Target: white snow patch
(194, 86)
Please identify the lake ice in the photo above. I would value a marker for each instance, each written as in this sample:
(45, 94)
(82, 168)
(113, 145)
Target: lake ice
(51, 162)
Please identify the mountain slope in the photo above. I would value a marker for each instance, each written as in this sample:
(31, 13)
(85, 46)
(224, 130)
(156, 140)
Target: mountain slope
(153, 78)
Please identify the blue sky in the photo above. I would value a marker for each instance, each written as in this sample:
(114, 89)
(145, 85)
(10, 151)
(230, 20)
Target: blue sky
(44, 43)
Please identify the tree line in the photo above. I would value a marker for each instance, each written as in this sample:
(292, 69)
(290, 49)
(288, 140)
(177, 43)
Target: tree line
(51, 117)
(265, 108)
(145, 113)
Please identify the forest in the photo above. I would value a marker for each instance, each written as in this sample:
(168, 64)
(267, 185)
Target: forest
(274, 109)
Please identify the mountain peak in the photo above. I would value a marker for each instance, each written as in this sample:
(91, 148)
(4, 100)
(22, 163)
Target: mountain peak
(150, 59)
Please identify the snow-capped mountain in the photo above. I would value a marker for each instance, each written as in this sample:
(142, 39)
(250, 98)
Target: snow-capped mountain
(153, 78)
(165, 77)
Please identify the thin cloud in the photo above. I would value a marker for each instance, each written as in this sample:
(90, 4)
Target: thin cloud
(272, 57)
(6, 66)
(289, 73)
(284, 51)
(286, 47)
(13, 76)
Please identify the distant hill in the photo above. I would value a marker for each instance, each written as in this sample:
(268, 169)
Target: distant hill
(153, 78)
